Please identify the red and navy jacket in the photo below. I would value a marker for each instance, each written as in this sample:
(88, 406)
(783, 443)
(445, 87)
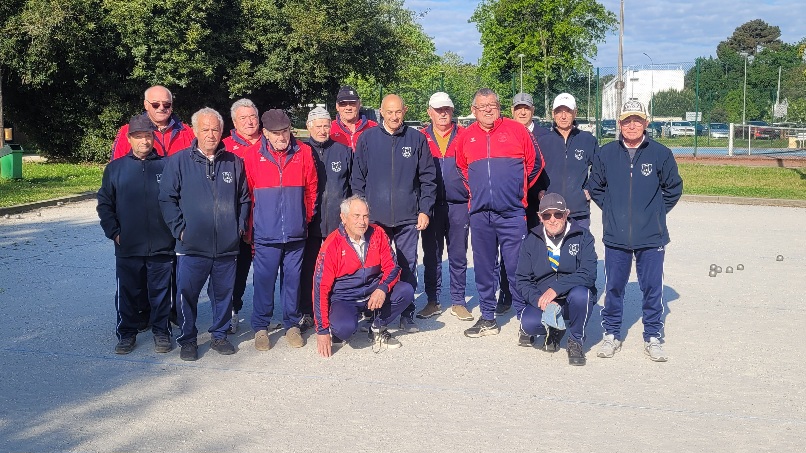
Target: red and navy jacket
(498, 166)
(239, 145)
(339, 132)
(341, 276)
(176, 137)
(450, 188)
(334, 166)
(283, 188)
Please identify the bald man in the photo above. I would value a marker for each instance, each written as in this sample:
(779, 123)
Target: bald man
(394, 170)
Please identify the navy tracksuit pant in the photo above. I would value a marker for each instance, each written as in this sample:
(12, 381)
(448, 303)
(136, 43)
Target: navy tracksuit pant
(344, 314)
(193, 271)
(450, 223)
(270, 259)
(309, 256)
(405, 239)
(241, 274)
(649, 267)
(576, 305)
(491, 232)
(143, 281)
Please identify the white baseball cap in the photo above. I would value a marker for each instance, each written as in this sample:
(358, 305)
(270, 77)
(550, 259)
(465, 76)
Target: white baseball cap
(564, 99)
(439, 100)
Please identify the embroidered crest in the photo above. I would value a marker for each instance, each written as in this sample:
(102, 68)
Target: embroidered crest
(573, 249)
(407, 151)
(502, 138)
(579, 154)
(159, 177)
(646, 169)
(335, 166)
(227, 177)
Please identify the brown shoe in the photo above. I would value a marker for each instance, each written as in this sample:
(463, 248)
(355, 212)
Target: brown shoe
(432, 308)
(460, 311)
(294, 337)
(262, 342)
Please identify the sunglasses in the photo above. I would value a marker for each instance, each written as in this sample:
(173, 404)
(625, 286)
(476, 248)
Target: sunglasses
(165, 105)
(557, 215)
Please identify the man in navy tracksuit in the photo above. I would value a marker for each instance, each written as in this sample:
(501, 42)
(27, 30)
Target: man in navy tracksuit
(394, 170)
(129, 210)
(334, 163)
(205, 202)
(557, 271)
(451, 220)
(635, 182)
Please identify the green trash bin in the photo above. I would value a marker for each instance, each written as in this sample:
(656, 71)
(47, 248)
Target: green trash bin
(11, 161)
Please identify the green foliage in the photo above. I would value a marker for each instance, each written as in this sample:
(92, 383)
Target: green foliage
(749, 36)
(673, 103)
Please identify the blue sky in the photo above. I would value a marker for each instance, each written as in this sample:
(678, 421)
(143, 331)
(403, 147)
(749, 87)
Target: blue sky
(670, 32)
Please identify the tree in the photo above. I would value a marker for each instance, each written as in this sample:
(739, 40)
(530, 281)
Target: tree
(750, 37)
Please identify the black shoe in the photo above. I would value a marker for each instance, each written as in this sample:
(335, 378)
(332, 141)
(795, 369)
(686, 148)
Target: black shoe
(575, 355)
(504, 302)
(189, 352)
(525, 339)
(553, 339)
(222, 346)
(162, 344)
(125, 345)
(483, 328)
(305, 323)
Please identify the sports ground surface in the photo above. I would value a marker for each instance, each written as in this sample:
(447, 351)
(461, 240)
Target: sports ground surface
(734, 381)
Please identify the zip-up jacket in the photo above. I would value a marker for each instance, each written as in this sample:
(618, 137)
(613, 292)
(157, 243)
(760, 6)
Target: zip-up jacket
(207, 200)
(498, 166)
(450, 188)
(341, 275)
(339, 132)
(577, 264)
(568, 165)
(128, 206)
(538, 130)
(396, 174)
(283, 189)
(635, 196)
(238, 144)
(334, 164)
(176, 137)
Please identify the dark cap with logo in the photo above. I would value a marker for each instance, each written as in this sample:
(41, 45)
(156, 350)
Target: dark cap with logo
(552, 201)
(275, 120)
(347, 93)
(141, 123)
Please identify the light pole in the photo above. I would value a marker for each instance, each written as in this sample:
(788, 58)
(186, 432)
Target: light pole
(747, 57)
(651, 88)
(521, 57)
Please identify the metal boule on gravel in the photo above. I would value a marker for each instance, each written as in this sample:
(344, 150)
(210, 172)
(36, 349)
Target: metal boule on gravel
(719, 269)
(728, 270)
(740, 267)
(713, 267)
(779, 258)
(712, 273)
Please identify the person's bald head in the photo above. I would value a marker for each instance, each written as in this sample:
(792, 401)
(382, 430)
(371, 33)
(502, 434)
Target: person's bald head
(158, 102)
(393, 110)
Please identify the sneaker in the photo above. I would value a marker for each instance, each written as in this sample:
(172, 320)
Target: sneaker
(504, 303)
(609, 347)
(461, 312)
(407, 324)
(262, 342)
(189, 352)
(336, 341)
(222, 346)
(125, 345)
(162, 344)
(483, 328)
(553, 339)
(575, 355)
(381, 337)
(233, 324)
(294, 337)
(524, 339)
(305, 323)
(432, 308)
(654, 350)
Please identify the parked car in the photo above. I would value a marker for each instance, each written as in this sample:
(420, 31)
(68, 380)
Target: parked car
(654, 129)
(762, 130)
(587, 125)
(719, 130)
(678, 128)
(702, 129)
(608, 128)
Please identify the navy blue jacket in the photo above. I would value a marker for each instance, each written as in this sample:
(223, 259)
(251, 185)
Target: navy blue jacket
(128, 206)
(334, 166)
(396, 174)
(635, 196)
(207, 200)
(567, 166)
(577, 264)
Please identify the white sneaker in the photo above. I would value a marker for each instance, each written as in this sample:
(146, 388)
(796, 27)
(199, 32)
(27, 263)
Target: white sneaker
(609, 347)
(654, 350)
(233, 324)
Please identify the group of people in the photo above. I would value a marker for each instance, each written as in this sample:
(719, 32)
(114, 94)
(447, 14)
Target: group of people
(337, 218)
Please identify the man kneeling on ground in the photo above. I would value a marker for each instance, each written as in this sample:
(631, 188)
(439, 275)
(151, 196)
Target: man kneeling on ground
(356, 271)
(557, 274)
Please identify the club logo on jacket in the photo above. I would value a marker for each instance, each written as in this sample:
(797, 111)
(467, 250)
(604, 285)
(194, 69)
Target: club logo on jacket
(406, 151)
(573, 249)
(579, 154)
(335, 166)
(503, 137)
(159, 177)
(227, 177)
(472, 139)
(646, 169)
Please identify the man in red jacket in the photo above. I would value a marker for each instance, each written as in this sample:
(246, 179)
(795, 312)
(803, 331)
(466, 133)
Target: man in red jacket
(349, 123)
(356, 271)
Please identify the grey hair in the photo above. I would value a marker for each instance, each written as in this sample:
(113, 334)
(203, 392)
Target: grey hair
(345, 204)
(145, 93)
(242, 103)
(486, 92)
(207, 111)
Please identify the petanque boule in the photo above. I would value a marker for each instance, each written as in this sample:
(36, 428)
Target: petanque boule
(713, 267)
(779, 258)
(712, 273)
(740, 267)
(718, 269)
(728, 270)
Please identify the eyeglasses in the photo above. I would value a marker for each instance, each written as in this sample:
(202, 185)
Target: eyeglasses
(156, 104)
(557, 215)
(486, 107)
(346, 103)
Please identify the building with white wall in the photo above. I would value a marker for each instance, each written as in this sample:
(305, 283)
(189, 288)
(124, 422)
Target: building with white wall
(641, 84)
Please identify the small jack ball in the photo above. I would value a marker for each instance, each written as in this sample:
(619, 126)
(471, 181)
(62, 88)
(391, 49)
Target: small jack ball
(713, 267)
(729, 270)
(779, 258)
(718, 269)
(740, 267)
(712, 273)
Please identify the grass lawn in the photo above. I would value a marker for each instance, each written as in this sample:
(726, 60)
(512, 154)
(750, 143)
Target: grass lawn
(43, 181)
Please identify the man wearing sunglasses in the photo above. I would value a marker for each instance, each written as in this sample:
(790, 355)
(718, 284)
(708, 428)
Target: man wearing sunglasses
(170, 135)
(349, 123)
(635, 182)
(557, 265)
